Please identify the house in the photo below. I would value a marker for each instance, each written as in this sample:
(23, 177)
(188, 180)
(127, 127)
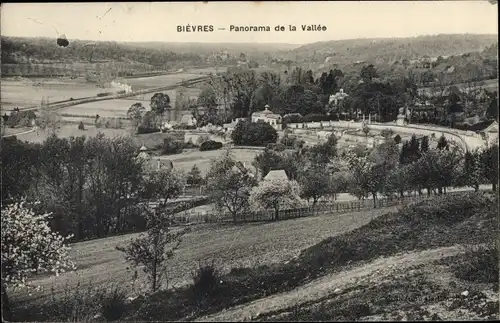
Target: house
(491, 133)
(276, 175)
(337, 98)
(269, 117)
(229, 127)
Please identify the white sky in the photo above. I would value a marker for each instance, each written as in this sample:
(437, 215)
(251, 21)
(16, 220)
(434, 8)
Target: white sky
(158, 21)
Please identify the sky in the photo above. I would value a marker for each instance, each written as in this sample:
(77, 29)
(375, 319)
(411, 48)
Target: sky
(155, 21)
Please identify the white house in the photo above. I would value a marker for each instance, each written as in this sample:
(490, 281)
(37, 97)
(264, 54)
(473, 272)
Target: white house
(269, 117)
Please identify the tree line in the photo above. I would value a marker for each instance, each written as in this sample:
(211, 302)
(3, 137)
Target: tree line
(94, 187)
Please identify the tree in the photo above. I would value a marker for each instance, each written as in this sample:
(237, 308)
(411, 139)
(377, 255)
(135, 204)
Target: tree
(29, 246)
(276, 195)
(150, 250)
(208, 98)
(366, 130)
(228, 186)
(442, 143)
(135, 113)
(397, 139)
(49, 119)
(472, 173)
(160, 103)
(492, 111)
(194, 176)
(424, 145)
(322, 153)
(368, 73)
(314, 183)
(489, 161)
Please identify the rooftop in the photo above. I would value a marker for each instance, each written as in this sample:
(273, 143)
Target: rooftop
(276, 175)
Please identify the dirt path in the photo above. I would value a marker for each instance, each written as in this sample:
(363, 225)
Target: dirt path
(329, 284)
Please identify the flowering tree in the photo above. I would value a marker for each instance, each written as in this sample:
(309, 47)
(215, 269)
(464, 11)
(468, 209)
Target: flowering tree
(28, 247)
(277, 195)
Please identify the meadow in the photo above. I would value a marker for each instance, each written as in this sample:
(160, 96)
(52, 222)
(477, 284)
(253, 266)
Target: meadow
(30, 92)
(203, 159)
(247, 245)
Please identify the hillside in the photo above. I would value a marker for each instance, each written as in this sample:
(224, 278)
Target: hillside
(391, 49)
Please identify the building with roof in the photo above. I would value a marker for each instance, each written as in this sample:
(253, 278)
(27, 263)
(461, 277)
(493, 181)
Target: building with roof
(491, 133)
(275, 175)
(269, 117)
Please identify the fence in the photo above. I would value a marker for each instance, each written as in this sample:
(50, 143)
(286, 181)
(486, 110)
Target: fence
(326, 207)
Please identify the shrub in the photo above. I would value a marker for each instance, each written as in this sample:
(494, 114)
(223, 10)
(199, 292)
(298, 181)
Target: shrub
(103, 94)
(146, 129)
(171, 146)
(206, 280)
(113, 305)
(210, 145)
(397, 139)
(81, 126)
(478, 264)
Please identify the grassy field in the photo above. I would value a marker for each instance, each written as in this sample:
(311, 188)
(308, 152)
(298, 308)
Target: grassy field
(142, 83)
(230, 246)
(108, 108)
(185, 161)
(69, 130)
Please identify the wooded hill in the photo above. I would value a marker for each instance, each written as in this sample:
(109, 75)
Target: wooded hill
(390, 50)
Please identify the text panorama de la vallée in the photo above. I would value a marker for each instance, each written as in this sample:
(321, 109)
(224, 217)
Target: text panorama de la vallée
(211, 28)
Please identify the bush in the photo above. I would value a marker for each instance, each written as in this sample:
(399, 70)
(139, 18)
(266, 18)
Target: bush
(206, 280)
(76, 304)
(103, 94)
(210, 145)
(145, 129)
(397, 139)
(479, 264)
(113, 305)
(171, 146)
(81, 126)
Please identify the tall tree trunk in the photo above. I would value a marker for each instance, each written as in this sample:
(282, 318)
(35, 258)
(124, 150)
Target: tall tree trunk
(374, 200)
(276, 214)
(494, 187)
